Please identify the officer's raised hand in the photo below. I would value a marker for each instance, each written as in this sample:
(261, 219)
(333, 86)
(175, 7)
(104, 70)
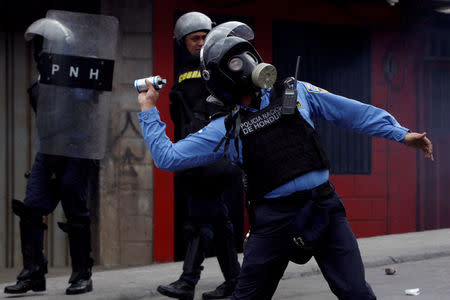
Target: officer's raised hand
(148, 99)
(420, 141)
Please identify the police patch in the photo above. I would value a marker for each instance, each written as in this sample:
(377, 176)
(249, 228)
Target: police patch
(189, 75)
(261, 120)
(314, 89)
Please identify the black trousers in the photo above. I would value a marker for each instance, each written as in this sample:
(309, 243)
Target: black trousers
(58, 178)
(267, 250)
(205, 202)
(221, 236)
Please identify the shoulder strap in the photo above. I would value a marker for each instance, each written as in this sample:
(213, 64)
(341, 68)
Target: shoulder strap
(232, 124)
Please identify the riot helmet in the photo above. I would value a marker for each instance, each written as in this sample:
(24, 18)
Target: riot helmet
(231, 66)
(191, 22)
(49, 30)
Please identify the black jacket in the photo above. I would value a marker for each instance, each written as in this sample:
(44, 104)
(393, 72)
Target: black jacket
(188, 108)
(190, 112)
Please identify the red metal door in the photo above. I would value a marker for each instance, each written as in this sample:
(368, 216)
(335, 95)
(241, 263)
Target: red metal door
(436, 176)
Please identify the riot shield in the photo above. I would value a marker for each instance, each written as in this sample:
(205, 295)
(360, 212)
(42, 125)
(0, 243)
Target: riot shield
(76, 70)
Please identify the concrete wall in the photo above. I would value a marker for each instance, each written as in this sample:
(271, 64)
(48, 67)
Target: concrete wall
(126, 173)
(15, 138)
(18, 146)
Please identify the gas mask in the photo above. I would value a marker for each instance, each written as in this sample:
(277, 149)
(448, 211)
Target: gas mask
(244, 69)
(231, 66)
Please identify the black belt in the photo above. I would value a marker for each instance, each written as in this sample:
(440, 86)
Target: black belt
(315, 194)
(320, 191)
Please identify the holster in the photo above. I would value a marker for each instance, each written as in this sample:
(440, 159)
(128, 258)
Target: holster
(310, 224)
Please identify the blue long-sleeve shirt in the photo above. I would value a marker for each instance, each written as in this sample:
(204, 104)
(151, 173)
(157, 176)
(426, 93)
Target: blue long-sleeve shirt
(197, 148)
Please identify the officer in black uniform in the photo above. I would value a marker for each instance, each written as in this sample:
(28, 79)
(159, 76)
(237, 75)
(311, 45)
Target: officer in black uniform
(53, 178)
(207, 190)
(295, 212)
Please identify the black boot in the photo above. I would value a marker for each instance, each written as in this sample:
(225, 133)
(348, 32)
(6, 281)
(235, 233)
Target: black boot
(80, 248)
(179, 289)
(79, 286)
(25, 284)
(32, 276)
(225, 290)
(184, 288)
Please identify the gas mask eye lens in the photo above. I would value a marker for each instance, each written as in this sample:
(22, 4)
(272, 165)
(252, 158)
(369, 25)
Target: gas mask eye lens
(235, 64)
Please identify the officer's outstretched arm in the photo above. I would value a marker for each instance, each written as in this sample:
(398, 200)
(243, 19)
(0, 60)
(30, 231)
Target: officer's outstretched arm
(421, 142)
(195, 150)
(147, 100)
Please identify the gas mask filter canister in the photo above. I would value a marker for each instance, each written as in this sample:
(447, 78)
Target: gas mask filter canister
(262, 75)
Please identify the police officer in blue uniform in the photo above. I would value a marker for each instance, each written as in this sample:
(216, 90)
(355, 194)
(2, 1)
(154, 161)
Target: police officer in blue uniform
(205, 190)
(269, 132)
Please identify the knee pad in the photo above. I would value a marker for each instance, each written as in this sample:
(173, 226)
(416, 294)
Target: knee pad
(20, 209)
(190, 230)
(27, 214)
(75, 224)
(73, 228)
(206, 234)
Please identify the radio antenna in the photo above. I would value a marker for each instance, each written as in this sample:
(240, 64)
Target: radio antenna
(290, 93)
(297, 67)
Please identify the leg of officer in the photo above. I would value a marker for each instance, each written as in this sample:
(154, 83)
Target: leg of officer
(224, 235)
(195, 254)
(227, 257)
(266, 254)
(38, 202)
(74, 181)
(198, 237)
(41, 194)
(265, 260)
(340, 261)
(226, 250)
(197, 233)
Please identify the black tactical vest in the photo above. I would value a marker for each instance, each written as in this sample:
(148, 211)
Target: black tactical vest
(277, 148)
(188, 109)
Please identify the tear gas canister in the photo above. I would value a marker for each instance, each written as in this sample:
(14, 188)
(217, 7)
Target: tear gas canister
(156, 81)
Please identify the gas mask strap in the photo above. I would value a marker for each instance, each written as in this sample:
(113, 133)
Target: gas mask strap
(228, 127)
(221, 142)
(232, 124)
(231, 128)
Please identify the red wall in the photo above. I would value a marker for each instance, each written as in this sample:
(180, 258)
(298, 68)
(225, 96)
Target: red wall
(380, 203)
(163, 235)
